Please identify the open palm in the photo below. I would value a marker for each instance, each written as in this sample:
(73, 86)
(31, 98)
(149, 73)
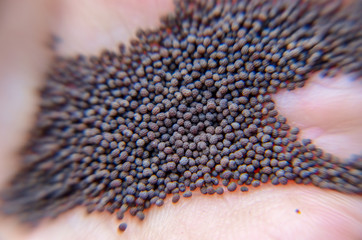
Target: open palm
(326, 110)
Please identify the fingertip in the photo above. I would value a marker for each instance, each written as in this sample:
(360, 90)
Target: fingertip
(326, 110)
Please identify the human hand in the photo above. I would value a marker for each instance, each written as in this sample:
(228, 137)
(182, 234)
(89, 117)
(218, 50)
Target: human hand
(325, 110)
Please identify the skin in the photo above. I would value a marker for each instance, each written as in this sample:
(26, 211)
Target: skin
(326, 110)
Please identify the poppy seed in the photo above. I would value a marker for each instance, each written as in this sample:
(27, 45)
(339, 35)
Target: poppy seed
(122, 227)
(178, 111)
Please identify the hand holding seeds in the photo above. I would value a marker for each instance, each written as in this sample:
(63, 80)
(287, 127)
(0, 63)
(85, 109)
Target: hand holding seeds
(224, 118)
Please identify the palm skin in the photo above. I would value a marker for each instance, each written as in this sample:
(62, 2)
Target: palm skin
(326, 110)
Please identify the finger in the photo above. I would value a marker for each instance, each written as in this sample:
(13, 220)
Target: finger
(24, 34)
(327, 110)
(87, 27)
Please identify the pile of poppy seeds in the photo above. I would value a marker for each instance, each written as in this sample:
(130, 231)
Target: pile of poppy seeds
(187, 107)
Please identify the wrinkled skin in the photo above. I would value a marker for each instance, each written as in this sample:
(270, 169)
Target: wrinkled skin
(327, 110)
